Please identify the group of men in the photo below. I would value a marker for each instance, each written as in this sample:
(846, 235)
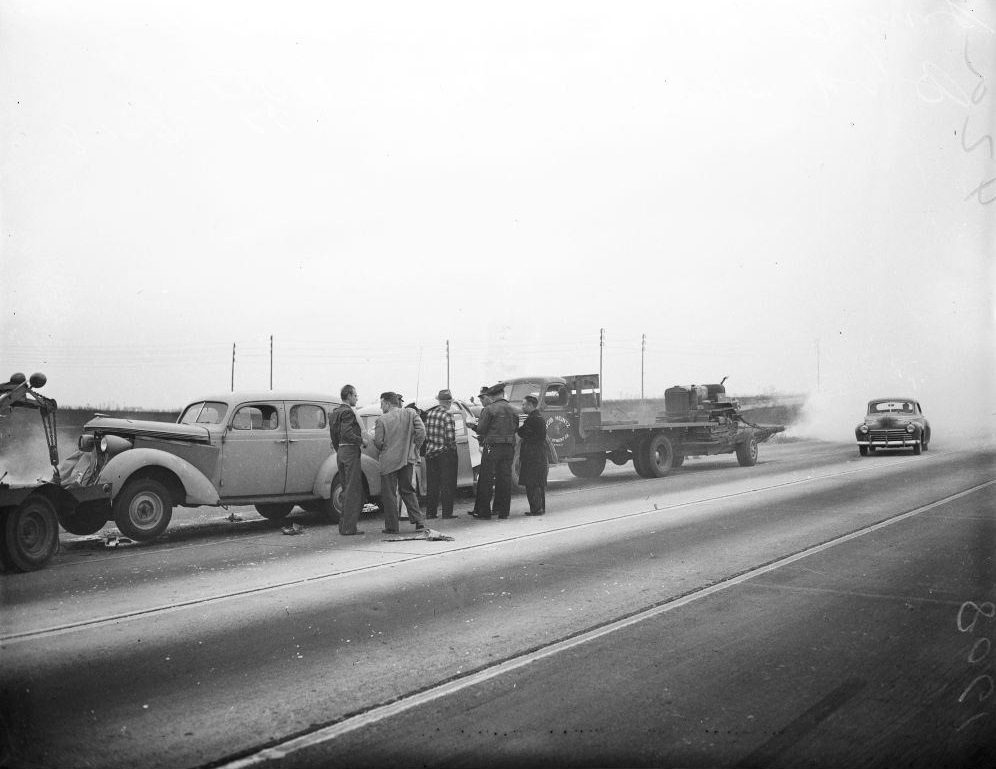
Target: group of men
(402, 437)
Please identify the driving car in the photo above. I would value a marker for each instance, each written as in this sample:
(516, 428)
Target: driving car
(267, 449)
(468, 449)
(893, 423)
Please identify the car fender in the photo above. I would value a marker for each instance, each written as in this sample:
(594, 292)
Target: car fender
(196, 486)
(329, 471)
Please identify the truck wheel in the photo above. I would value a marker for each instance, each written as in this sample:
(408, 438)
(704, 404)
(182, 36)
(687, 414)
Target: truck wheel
(143, 509)
(88, 518)
(275, 511)
(747, 452)
(31, 534)
(592, 467)
(658, 456)
(638, 454)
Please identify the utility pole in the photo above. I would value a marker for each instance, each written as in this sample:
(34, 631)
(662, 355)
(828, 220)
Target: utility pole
(271, 362)
(447, 364)
(601, 357)
(233, 366)
(643, 353)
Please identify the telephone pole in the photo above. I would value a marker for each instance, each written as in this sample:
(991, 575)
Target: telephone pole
(643, 353)
(271, 362)
(233, 366)
(447, 364)
(601, 357)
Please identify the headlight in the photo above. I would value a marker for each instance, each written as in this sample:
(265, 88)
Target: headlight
(863, 429)
(911, 428)
(86, 442)
(114, 444)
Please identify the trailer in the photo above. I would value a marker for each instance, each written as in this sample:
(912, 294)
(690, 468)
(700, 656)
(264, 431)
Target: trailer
(31, 513)
(586, 433)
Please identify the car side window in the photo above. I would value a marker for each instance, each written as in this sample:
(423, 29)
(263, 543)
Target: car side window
(256, 417)
(307, 416)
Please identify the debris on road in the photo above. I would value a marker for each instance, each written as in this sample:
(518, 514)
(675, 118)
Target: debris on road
(427, 534)
(294, 528)
(114, 541)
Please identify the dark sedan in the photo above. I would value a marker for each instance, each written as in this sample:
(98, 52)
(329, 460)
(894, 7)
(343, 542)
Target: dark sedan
(893, 423)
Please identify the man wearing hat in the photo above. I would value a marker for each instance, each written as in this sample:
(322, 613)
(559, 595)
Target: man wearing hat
(440, 456)
(496, 431)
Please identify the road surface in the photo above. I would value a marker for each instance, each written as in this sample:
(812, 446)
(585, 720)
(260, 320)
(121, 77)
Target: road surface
(819, 609)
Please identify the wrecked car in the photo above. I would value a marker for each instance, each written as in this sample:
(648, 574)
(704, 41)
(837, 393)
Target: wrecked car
(267, 449)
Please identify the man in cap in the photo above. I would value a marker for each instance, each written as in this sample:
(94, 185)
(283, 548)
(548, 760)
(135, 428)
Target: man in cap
(496, 431)
(440, 456)
(398, 435)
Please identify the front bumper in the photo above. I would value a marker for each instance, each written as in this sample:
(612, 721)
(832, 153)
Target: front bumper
(890, 443)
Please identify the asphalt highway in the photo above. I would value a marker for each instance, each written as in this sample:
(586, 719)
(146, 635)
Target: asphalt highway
(819, 609)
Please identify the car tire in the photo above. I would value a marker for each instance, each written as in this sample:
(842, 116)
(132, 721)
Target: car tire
(917, 448)
(143, 509)
(275, 511)
(863, 451)
(592, 467)
(31, 534)
(332, 507)
(88, 518)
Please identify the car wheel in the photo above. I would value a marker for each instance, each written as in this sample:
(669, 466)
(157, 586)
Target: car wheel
(332, 507)
(85, 519)
(143, 509)
(747, 452)
(592, 467)
(863, 451)
(275, 511)
(31, 534)
(917, 448)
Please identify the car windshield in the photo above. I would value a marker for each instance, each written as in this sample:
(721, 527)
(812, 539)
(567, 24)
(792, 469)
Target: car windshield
(203, 412)
(893, 407)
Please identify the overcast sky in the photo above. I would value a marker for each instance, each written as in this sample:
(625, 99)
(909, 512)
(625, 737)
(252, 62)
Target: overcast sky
(796, 195)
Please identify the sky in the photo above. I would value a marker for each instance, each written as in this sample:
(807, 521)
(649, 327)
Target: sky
(800, 197)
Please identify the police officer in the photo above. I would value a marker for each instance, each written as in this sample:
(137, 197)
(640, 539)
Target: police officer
(496, 431)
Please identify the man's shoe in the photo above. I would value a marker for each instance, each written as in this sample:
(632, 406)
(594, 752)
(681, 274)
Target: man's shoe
(431, 515)
(350, 533)
(480, 517)
(419, 527)
(502, 517)
(539, 513)
(389, 531)
(449, 516)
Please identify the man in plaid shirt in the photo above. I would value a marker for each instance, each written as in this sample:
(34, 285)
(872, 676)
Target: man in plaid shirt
(440, 456)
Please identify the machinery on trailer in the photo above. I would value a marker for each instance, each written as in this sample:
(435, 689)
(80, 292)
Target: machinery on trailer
(30, 513)
(696, 420)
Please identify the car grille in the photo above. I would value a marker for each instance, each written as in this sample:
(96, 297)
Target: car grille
(898, 435)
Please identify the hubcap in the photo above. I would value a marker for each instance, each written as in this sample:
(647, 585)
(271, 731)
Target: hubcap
(146, 510)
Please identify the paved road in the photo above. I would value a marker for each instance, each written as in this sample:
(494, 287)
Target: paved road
(721, 616)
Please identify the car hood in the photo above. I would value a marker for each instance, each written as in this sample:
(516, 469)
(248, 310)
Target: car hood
(148, 429)
(889, 420)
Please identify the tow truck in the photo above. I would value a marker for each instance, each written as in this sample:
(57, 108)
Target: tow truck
(30, 513)
(696, 420)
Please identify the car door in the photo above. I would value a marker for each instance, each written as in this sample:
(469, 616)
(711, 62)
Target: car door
(308, 443)
(254, 453)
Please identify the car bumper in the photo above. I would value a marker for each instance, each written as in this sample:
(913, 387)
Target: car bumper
(893, 443)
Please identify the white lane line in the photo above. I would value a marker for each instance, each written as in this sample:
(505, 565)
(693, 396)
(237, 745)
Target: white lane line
(382, 712)
(95, 622)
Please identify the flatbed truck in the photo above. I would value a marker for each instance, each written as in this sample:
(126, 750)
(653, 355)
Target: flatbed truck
(584, 432)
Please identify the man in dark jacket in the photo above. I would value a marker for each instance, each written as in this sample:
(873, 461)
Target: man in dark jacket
(532, 456)
(347, 440)
(496, 431)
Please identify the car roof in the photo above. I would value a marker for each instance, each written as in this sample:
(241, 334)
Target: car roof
(888, 400)
(242, 396)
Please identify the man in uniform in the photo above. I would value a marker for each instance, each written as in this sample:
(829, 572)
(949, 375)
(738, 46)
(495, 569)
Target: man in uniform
(496, 431)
